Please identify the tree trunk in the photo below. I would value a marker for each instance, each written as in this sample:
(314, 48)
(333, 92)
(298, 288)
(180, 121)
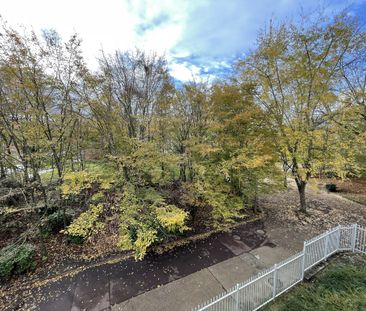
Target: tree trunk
(285, 179)
(82, 160)
(2, 170)
(58, 162)
(301, 185)
(191, 171)
(26, 175)
(256, 208)
(72, 164)
(182, 172)
(162, 170)
(59, 168)
(125, 173)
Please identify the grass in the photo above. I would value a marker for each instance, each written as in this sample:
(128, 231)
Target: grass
(104, 169)
(341, 286)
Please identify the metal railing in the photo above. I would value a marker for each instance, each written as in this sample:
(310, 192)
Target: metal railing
(262, 288)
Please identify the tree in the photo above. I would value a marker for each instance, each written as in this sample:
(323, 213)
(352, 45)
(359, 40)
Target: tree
(296, 69)
(40, 90)
(244, 142)
(191, 115)
(352, 120)
(135, 81)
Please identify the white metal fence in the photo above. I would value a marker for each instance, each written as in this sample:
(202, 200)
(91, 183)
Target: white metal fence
(262, 288)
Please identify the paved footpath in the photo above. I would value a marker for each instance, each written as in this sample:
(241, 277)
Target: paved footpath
(188, 292)
(176, 280)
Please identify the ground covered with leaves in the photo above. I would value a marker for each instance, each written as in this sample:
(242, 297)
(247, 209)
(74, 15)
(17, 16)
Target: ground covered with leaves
(325, 209)
(340, 286)
(352, 189)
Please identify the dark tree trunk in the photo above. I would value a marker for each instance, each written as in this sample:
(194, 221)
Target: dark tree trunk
(2, 170)
(59, 168)
(182, 173)
(162, 170)
(26, 175)
(191, 171)
(58, 163)
(110, 144)
(72, 164)
(301, 185)
(125, 173)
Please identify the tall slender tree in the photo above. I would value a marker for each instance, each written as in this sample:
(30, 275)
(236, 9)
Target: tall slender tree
(297, 69)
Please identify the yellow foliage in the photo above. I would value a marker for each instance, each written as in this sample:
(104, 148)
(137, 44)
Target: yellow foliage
(105, 185)
(146, 165)
(124, 241)
(172, 218)
(225, 207)
(146, 236)
(97, 197)
(75, 182)
(85, 223)
(143, 221)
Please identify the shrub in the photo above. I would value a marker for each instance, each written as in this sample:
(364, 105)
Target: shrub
(75, 239)
(84, 225)
(145, 165)
(58, 220)
(146, 236)
(105, 174)
(225, 207)
(144, 222)
(16, 259)
(10, 183)
(97, 198)
(75, 182)
(149, 195)
(172, 218)
(331, 187)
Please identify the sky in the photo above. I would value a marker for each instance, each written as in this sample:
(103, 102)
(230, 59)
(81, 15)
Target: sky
(200, 38)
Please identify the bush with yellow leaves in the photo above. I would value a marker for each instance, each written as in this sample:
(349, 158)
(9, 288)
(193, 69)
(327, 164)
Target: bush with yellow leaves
(85, 224)
(145, 236)
(75, 182)
(172, 218)
(224, 207)
(144, 223)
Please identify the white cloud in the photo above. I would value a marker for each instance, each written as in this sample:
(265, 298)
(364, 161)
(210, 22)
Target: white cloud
(184, 71)
(109, 24)
(205, 34)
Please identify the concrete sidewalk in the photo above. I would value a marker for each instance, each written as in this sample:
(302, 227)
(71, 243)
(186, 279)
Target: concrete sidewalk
(194, 289)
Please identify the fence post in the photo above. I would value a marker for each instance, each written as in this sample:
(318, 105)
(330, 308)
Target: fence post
(338, 237)
(326, 245)
(354, 235)
(274, 280)
(237, 297)
(303, 261)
